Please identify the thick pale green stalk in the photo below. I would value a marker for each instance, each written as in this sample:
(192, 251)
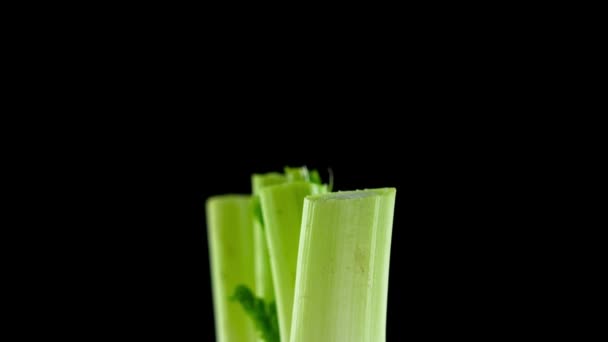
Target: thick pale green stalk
(230, 234)
(343, 264)
(282, 214)
(263, 274)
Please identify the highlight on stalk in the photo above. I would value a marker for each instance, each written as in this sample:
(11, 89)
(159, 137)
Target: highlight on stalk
(296, 262)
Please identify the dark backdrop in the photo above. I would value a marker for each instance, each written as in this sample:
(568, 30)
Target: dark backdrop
(438, 123)
(156, 261)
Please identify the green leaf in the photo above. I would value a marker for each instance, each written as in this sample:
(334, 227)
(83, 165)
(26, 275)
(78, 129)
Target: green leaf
(315, 177)
(264, 315)
(294, 174)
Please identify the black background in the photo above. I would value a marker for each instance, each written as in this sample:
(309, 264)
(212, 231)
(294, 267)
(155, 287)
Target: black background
(134, 262)
(158, 120)
(157, 144)
(135, 191)
(153, 263)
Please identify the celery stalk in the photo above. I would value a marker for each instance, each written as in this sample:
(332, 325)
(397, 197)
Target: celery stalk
(263, 274)
(342, 270)
(282, 214)
(230, 234)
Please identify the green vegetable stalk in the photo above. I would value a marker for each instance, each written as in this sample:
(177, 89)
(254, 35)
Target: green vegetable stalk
(294, 263)
(282, 211)
(343, 264)
(230, 235)
(263, 274)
